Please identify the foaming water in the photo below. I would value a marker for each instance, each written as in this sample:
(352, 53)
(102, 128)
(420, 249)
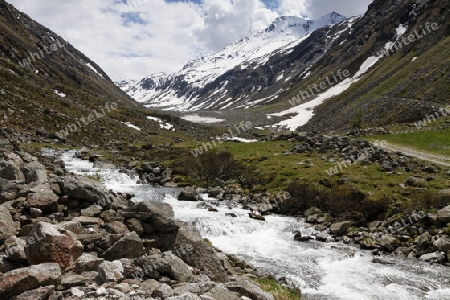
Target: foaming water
(321, 270)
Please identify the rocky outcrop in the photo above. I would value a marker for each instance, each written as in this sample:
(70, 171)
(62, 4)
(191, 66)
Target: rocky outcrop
(131, 246)
(78, 241)
(48, 243)
(80, 188)
(26, 279)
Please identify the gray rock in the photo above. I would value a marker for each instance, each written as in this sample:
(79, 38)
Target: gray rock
(374, 225)
(423, 241)
(73, 226)
(178, 269)
(298, 237)
(41, 293)
(10, 170)
(189, 246)
(162, 216)
(88, 221)
(312, 211)
(256, 216)
(7, 225)
(92, 211)
(68, 281)
(340, 228)
(444, 214)
(163, 291)
(436, 257)
(15, 250)
(84, 189)
(25, 279)
(187, 296)
(87, 262)
(48, 243)
(246, 287)
(189, 194)
(130, 246)
(43, 198)
(193, 288)
(220, 293)
(34, 172)
(442, 244)
(116, 227)
(111, 271)
(388, 242)
(134, 224)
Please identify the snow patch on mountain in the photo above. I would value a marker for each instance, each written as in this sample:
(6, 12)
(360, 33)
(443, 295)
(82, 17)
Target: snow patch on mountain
(162, 124)
(199, 119)
(304, 112)
(179, 91)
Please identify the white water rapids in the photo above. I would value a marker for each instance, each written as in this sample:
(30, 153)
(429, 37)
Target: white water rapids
(320, 270)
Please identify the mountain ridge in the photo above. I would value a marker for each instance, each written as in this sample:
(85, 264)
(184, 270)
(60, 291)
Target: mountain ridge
(195, 79)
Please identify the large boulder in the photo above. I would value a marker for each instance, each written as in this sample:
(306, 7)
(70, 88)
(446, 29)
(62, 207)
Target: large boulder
(166, 264)
(43, 198)
(34, 171)
(340, 228)
(189, 246)
(10, 170)
(436, 257)
(130, 246)
(25, 279)
(162, 218)
(388, 242)
(7, 225)
(443, 215)
(48, 243)
(85, 189)
(189, 194)
(41, 293)
(442, 244)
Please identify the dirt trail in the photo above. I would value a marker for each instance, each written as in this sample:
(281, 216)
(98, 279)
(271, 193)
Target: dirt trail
(434, 158)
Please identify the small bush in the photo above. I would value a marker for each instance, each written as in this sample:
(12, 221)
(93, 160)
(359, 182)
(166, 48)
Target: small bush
(213, 165)
(335, 201)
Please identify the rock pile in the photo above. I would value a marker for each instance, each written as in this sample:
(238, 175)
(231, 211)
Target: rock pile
(65, 237)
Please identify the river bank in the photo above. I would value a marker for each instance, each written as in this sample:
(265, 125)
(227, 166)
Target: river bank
(66, 236)
(331, 270)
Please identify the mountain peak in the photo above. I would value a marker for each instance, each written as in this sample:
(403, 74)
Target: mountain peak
(333, 18)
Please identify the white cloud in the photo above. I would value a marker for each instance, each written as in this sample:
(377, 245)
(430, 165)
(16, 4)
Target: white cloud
(157, 36)
(296, 8)
(227, 21)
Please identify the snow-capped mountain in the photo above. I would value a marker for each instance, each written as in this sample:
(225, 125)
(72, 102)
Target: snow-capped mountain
(204, 83)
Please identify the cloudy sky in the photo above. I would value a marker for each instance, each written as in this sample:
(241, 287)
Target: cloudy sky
(131, 39)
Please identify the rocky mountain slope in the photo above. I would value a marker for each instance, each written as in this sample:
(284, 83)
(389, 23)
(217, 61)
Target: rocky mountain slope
(396, 56)
(54, 92)
(410, 78)
(236, 77)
